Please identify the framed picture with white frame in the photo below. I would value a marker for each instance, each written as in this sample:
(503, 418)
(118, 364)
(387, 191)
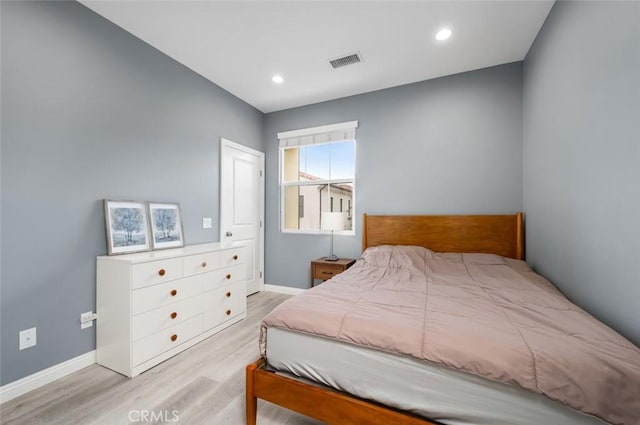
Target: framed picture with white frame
(127, 227)
(166, 225)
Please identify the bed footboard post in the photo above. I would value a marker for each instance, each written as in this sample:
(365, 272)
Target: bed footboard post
(252, 401)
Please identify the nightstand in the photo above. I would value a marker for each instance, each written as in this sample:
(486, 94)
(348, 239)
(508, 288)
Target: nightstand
(324, 270)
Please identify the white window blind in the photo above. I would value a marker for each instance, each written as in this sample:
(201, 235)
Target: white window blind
(317, 135)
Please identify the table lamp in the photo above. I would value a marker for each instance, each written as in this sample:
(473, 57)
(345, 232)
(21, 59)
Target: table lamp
(332, 221)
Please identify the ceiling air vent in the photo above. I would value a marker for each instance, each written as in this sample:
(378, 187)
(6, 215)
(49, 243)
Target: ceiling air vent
(346, 60)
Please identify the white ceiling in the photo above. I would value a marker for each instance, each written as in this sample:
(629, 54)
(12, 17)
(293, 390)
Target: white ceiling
(240, 45)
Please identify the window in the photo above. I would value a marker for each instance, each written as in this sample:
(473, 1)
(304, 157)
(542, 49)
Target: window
(317, 165)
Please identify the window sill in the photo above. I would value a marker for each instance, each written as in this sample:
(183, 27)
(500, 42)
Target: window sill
(319, 232)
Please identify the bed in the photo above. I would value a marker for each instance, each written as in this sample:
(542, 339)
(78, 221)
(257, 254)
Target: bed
(334, 379)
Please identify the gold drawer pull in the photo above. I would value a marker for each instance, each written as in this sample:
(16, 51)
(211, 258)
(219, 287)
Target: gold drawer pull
(161, 272)
(228, 294)
(331, 273)
(174, 292)
(174, 315)
(204, 264)
(228, 312)
(228, 276)
(174, 337)
(235, 257)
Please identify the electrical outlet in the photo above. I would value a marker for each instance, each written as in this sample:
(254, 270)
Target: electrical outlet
(27, 338)
(86, 319)
(207, 223)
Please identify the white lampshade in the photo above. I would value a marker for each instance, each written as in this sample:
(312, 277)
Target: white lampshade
(332, 221)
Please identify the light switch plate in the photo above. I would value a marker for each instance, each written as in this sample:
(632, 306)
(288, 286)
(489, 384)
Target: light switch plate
(207, 223)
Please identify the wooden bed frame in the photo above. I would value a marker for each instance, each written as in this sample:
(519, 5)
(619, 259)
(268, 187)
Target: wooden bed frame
(495, 234)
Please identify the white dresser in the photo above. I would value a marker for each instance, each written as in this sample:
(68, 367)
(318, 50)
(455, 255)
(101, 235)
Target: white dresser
(153, 305)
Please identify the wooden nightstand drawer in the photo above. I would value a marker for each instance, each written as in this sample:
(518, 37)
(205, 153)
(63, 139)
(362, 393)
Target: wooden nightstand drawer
(325, 272)
(323, 269)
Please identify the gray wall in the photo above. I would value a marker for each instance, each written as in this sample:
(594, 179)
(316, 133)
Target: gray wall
(449, 145)
(582, 157)
(90, 112)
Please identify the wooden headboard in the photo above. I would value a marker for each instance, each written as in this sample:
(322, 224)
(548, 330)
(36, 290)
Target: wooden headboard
(494, 234)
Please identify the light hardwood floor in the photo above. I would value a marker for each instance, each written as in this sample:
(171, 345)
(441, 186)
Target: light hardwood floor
(202, 385)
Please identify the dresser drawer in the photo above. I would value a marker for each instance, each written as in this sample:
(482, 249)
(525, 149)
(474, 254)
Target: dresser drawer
(202, 263)
(153, 272)
(166, 339)
(230, 257)
(222, 277)
(153, 321)
(151, 297)
(223, 304)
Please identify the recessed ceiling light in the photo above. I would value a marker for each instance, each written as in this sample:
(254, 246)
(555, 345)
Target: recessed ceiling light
(443, 34)
(277, 79)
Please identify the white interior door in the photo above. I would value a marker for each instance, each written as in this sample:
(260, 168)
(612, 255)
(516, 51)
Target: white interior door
(242, 205)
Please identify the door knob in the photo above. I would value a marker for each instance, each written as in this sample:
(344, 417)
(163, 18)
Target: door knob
(228, 234)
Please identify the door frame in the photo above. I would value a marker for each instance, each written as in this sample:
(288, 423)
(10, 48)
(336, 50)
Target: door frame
(261, 184)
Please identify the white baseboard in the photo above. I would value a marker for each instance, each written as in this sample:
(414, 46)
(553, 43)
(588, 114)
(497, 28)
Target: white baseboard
(38, 379)
(283, 289)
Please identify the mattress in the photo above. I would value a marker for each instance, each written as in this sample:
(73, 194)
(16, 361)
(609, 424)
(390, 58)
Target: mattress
(441, 394)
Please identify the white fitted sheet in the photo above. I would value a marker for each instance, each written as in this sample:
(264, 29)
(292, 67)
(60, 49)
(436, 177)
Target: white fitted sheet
(444, 395)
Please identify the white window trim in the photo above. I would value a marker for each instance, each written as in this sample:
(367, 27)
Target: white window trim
(336, 133)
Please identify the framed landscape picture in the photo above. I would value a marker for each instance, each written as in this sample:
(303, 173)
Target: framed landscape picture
(166, 225)
(127, 227)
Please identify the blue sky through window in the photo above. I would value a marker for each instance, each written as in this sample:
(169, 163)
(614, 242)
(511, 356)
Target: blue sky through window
(328, 161)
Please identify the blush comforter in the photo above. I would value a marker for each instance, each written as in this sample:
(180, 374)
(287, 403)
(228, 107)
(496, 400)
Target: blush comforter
(478, 313)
